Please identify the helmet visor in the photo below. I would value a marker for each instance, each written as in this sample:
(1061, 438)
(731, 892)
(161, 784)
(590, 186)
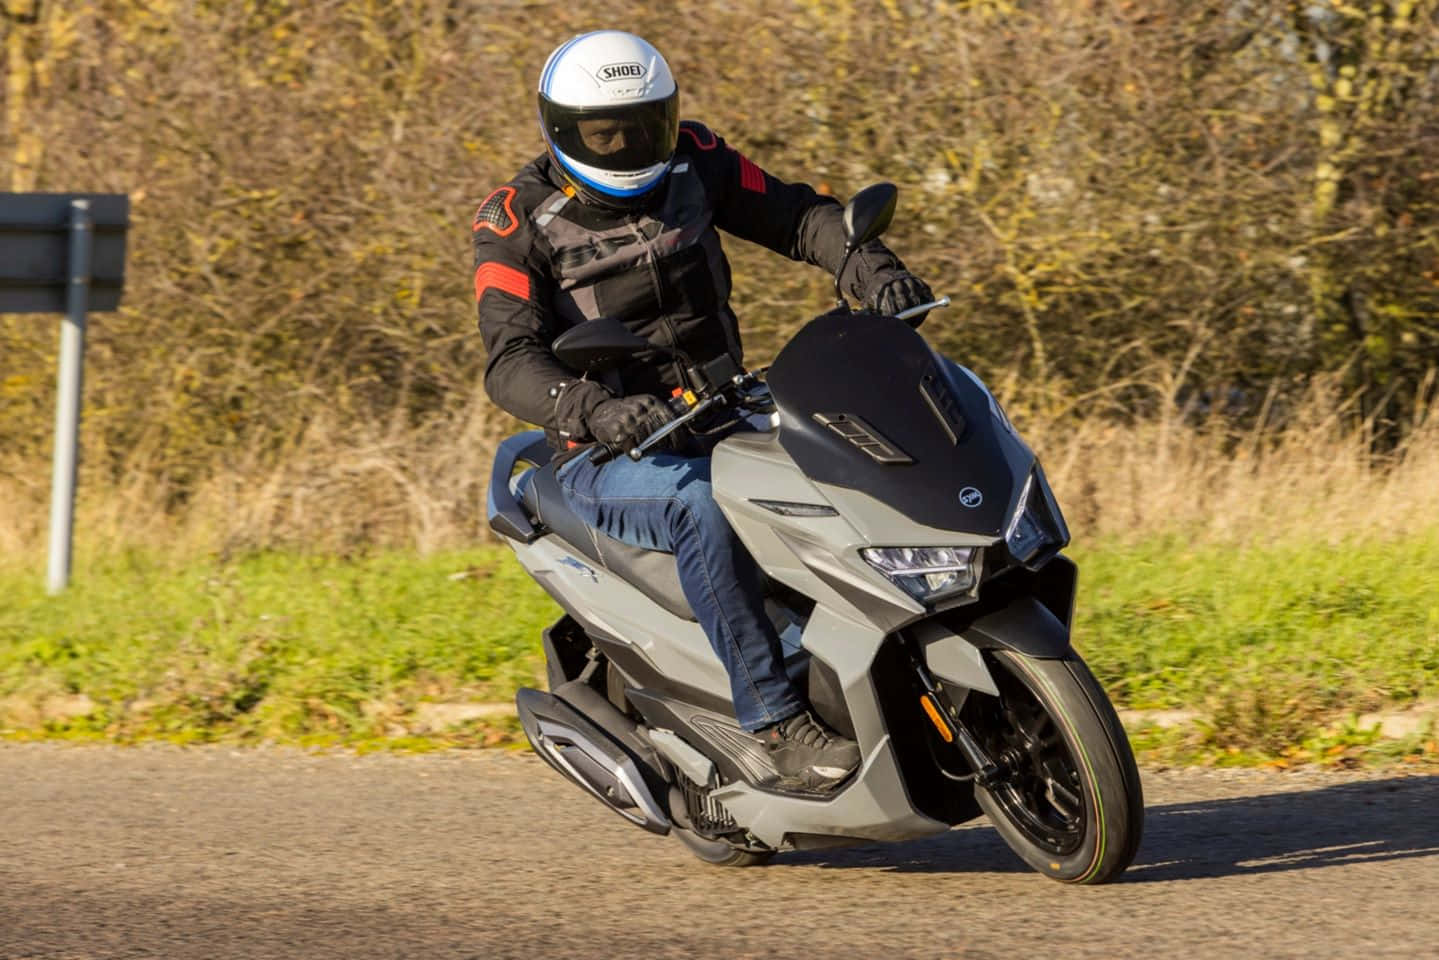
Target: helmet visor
(614, 138)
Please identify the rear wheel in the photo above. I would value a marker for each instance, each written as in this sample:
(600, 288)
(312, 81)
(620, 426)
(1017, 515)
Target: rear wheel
(1070, 802)
(716, 850)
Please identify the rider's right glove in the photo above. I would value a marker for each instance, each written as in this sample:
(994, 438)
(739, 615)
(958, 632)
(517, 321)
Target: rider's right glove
(900, 292)
(621, 424)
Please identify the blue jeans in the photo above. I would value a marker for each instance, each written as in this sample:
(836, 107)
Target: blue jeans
(663, 502)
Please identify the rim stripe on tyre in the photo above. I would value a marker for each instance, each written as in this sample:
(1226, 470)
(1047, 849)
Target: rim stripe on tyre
(1058, 706)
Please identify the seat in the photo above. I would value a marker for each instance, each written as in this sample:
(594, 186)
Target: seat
(649, 571)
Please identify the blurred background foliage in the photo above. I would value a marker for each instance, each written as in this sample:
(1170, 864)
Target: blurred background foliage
(1195, 214)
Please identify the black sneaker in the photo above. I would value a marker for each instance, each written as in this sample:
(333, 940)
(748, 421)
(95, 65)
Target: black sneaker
(809, 754)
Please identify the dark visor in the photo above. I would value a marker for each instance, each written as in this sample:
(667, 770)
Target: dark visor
(618, 139)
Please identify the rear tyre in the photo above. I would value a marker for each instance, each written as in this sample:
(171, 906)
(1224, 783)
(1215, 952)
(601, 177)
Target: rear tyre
(1071, 804)
(717, 852)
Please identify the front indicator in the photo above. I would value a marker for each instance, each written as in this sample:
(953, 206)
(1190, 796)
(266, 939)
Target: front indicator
(934, 718)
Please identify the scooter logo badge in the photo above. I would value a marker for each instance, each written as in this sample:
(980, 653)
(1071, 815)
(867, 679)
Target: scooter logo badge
(970, 497)
(583, 569)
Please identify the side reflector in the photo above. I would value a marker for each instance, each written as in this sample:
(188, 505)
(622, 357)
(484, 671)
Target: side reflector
(936, 719)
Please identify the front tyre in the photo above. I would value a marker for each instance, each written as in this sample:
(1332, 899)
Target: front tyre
(1070, 803)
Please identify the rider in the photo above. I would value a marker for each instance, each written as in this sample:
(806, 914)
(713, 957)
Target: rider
(618, 218)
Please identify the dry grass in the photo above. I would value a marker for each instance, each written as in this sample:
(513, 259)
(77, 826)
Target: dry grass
(339, 487)
(343, 487)
(1312, 480)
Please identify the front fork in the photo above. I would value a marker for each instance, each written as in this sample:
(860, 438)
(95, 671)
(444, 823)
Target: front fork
(941, 711)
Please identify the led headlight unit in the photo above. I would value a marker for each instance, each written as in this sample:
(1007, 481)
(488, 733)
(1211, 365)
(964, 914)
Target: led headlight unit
(1025, 534)
(1034, 532)
(926, 573)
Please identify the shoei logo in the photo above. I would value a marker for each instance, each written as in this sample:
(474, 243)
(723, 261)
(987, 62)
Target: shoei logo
(970, 497)
(621, 71)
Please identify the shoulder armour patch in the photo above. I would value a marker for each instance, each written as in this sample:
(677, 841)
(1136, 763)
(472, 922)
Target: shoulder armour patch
(703, 137)
(497, 213)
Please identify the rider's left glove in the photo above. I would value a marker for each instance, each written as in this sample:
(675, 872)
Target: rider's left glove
(899, 292)
(621, 424)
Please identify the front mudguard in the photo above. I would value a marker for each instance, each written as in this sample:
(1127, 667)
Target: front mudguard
(955, 654)
(1026, 612)
(1024, 626)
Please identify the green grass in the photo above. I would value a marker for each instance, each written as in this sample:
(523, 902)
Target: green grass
(1276, 648)
(279, 646)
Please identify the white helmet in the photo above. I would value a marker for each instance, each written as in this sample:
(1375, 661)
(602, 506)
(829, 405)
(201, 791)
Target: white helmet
(609, 112)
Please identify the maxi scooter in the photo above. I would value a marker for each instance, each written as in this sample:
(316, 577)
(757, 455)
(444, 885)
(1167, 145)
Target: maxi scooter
(911, 551)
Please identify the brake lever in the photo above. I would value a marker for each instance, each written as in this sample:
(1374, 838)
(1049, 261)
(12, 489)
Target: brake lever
(717, 400)
(922, 308)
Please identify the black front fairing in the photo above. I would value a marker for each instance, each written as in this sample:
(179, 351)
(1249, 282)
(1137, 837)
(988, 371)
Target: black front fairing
(866, 404)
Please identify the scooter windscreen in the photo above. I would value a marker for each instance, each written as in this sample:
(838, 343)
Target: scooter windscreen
(866, 404)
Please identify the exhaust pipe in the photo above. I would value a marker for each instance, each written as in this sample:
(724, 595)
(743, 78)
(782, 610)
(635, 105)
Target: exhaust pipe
(591, 756)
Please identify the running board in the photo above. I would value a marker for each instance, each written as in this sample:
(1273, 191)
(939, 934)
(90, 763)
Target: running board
(581, 751)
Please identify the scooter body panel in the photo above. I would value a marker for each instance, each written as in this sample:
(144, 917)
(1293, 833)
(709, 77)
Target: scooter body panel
(609, 607)
(920, 457)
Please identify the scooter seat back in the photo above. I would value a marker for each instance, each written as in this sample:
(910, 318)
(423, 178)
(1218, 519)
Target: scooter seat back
(649, 571)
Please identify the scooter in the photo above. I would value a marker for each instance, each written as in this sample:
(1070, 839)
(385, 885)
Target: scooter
(911, 548)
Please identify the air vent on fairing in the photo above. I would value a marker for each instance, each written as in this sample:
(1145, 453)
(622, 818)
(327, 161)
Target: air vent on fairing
(942, 402)
(865, 437)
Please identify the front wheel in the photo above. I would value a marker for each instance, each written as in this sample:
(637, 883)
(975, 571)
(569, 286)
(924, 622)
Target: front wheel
(1070, 803)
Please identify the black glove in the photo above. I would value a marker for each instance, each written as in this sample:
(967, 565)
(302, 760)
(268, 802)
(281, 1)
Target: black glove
(622, 423)
(900, 292)
(575, 401)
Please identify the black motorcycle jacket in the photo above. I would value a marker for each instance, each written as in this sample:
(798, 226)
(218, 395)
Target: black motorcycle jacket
(544, 262)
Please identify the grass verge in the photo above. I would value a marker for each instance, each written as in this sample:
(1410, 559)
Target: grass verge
(285, 647)
(1277, 650)
(1272, 651)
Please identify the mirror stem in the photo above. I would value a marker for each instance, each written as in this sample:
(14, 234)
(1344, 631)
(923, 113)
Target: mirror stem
(839, 300)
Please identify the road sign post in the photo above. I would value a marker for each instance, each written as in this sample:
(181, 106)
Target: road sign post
(63, 252)
(67, 401)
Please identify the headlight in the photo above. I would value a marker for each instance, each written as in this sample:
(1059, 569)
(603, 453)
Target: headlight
(1033, 533)
(926, 573)
(1025, 535)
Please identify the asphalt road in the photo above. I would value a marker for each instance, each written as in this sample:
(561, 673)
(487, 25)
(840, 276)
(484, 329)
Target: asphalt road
(219, 853)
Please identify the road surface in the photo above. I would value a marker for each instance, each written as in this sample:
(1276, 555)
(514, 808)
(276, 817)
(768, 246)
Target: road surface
(212, 852)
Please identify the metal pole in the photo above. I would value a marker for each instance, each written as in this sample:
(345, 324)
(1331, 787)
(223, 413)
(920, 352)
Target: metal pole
(67, 405)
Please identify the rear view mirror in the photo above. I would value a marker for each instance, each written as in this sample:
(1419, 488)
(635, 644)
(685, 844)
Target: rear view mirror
(867, 216)
(869, 213)
(598, 345)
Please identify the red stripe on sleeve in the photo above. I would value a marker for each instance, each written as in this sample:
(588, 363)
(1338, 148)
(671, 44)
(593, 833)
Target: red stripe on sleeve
(751, 177)
(506, 279)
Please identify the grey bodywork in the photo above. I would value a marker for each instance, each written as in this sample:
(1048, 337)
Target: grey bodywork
(856, 608)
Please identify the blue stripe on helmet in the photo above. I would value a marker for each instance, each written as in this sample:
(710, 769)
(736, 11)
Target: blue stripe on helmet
(605, 188)
(549, 73)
